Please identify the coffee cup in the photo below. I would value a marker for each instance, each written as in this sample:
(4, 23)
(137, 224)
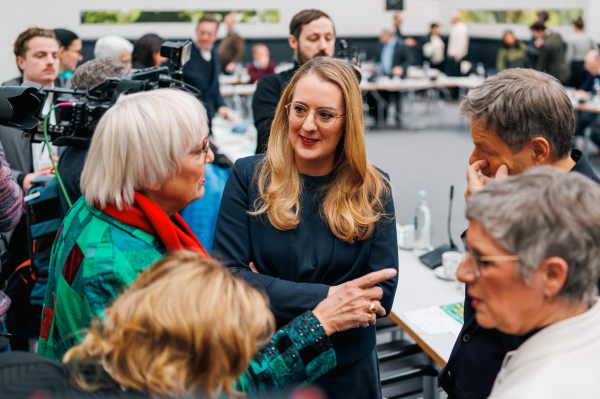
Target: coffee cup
(450, 262)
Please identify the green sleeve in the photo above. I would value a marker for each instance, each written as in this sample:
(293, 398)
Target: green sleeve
(298, 354)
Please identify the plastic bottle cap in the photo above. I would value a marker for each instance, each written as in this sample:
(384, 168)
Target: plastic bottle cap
(422, 194)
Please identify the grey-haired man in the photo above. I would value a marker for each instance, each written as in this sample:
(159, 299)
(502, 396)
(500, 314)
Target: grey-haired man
(520, 118)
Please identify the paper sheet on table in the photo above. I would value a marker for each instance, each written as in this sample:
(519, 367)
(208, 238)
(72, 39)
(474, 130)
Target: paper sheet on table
(434, 321)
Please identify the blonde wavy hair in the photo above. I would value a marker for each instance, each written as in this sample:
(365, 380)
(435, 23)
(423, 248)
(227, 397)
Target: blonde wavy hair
(356, 196)
(185, 327)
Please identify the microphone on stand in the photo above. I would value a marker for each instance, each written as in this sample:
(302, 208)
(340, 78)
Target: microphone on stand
(433, 259)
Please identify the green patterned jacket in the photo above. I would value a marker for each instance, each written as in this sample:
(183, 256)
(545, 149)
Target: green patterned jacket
(94, 257)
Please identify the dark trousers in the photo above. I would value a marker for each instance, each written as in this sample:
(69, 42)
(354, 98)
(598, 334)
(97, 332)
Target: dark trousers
(358, 380)
(387, 96)
(452, 67)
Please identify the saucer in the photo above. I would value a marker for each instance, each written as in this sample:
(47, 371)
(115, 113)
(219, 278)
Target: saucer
(439, 273)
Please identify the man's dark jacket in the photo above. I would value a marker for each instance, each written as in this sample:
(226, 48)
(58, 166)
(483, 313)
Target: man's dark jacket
(588, 82)
(478, 353)
(551, 58)
(204, 75)
(402, 56)
(266, 97)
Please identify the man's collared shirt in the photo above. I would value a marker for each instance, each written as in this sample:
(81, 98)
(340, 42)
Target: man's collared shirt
(387, 55)
(206, 54)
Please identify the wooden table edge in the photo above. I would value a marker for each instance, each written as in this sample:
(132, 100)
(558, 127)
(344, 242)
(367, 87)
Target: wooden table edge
(441, 362)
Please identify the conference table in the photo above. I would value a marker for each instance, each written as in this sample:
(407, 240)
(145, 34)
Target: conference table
(468, 82)
(418, 289)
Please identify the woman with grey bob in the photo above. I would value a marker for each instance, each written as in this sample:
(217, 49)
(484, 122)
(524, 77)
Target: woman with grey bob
(531, 270)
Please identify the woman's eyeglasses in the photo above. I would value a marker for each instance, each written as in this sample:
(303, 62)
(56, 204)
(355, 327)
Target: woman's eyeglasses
(324, 117)
(205, 147)
(481, 261)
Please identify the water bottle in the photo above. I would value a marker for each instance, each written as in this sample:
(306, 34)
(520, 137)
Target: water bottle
(480, 70)
(426, 69)
(422, 223)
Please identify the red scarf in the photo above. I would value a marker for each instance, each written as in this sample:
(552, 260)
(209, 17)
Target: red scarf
(149, 217)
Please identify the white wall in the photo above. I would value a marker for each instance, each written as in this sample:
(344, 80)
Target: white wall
(351, 17)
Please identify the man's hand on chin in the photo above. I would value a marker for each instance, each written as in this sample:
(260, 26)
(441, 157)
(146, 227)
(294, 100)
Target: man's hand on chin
(475, 181)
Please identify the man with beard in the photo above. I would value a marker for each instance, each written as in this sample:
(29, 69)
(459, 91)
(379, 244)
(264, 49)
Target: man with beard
(312, 34)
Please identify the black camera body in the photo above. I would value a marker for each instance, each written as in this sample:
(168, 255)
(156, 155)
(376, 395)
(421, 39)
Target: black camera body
(349, 53)
(20, 106)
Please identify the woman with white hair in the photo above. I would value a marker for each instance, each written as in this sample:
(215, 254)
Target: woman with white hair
(147, 162)
(531, 270)
(114, 46)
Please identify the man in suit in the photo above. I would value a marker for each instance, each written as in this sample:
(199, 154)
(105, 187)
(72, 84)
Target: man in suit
(395, 58)
(202, 70)
(520, 118)
(36, 51)
(232, 47)
(551, 53)
(312, 34)
(584, 119)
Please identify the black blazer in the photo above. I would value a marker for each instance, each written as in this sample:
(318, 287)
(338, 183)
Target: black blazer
(204, 76)
(241, 239)
(402, 56)
(478, 353)
(264, 104)
(588, 83)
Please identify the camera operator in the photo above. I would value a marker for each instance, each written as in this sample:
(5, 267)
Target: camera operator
(312, 34)
(37, 56)
(202, 70)
(72, 158)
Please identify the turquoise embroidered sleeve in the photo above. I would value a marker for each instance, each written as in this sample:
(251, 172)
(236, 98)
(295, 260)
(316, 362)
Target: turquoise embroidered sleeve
(298, 354)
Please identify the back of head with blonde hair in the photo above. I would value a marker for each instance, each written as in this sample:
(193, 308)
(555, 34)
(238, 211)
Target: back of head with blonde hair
(185, 327)
(356, 196)
(140, 142)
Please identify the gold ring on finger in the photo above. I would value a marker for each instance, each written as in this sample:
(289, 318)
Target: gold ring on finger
(372, 308)
(370, 317)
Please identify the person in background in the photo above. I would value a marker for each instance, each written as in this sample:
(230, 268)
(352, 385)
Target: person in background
(187, 328)
(410, 42)
(551, 53)
(434, 49)
(585, 92)
(531, 269)
(520, 119)
(202, 70)
(395, 58)
(261, 64)
(458, 45)
(116, 47)
(580, 43)
(72, 159)
(146, 51)
(512, 52)
(312, 34)
(69, 52)
(312, 214)
(232, 47)
(37, 54)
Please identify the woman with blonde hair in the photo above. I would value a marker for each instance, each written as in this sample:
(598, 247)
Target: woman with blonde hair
(312, 214)
(187, 328)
